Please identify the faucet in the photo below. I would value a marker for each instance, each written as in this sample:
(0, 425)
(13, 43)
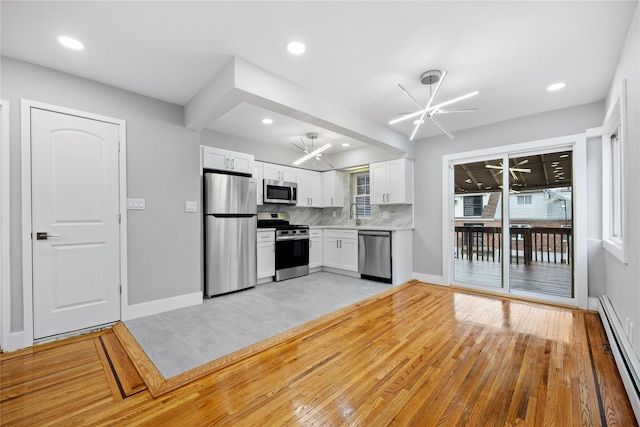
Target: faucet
(350, 210)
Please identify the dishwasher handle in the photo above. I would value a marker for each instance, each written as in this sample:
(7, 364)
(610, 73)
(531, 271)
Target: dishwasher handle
(374, 233)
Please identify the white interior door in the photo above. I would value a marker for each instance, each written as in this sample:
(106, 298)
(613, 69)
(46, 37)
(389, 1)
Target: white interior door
(75, 222)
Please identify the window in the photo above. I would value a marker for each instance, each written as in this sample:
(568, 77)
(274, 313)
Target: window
(360, 193)
(615, 180)
(524, 200)
(614, 209)
(472, 206)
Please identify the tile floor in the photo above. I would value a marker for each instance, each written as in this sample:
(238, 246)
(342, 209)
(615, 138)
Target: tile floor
(180, 340)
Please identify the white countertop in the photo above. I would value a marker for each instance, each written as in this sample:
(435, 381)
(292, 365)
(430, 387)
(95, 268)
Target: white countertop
(363, 227)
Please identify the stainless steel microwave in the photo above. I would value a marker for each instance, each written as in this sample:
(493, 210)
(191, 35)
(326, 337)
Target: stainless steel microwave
(280, 192)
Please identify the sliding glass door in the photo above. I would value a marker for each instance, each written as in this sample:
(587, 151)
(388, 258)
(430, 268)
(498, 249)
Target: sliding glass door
(541, 223)
(478, 223)
(524, 245)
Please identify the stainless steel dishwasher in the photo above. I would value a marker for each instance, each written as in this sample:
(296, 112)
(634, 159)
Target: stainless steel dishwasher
(374, 255)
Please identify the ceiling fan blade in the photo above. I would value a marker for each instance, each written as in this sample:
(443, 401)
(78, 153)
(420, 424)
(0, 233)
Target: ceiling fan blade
(522, 162)
(415, 101)
(493, 167)
(442, 128)
(527, 170)
(513, 174)
(433, 95)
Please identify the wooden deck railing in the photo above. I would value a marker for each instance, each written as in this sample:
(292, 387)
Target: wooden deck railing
(528, 244)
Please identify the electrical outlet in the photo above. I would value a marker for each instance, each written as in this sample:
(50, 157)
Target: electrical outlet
(135, 204)
(334, 214)
(190, 206)
(385, 214)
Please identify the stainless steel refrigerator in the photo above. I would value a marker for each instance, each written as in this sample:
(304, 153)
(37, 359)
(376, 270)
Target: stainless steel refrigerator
(230, 226)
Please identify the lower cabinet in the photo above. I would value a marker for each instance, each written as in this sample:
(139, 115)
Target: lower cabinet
(266, 256)
(340, 249)
(315, 248)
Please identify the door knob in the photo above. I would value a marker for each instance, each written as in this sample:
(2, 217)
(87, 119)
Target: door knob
(43, 235)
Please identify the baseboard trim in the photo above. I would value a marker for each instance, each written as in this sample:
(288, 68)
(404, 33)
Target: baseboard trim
(593, 304)
(430, 278)
(162, 305)
(14, 341)
(626, 359)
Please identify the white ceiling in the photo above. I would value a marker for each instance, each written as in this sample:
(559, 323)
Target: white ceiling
(357, 53)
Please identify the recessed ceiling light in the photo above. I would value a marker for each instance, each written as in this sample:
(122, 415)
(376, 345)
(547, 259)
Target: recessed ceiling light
(267, 121)
(71, 43)
(345, 144)
(296, 47)
(556, 86)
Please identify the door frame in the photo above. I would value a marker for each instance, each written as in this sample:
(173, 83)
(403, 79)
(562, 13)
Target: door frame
(27, 259)
(5, 228)
(578, 144)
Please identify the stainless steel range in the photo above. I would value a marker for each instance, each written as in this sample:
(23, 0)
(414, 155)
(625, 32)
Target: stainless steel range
(292, 245)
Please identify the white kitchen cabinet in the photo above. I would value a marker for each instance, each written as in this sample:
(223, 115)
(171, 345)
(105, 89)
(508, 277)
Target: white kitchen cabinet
(278, 172)
(391, 182)
(226, 160)
(340, 249)
(332, 189)
(315, 248)
(309, 188)
(266, 256)
(257, 175)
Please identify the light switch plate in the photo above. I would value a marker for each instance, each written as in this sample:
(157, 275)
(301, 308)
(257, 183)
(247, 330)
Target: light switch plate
(190, 206)
(135, 204)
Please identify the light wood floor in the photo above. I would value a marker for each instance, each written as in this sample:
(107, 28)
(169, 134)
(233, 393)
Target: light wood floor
(424, 355)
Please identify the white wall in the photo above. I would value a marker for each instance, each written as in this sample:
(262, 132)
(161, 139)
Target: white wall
(162, 167)
(622, 281)
(427, 239)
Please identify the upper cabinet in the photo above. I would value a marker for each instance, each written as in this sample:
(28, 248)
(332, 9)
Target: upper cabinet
(391, 182)
(226, 160)
(309, 188)
(278, 172)
(332, 189)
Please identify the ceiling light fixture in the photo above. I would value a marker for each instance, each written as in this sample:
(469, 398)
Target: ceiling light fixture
(556, 86)
(296, 47)
(267, 121)
(71, 43)
(432, 77)
(345, 144)
(311, 154)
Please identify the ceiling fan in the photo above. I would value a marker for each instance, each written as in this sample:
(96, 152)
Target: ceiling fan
(512, 170)
(432, 77)
(311, 151)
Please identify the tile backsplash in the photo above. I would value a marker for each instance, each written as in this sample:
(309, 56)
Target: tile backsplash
(399, 215)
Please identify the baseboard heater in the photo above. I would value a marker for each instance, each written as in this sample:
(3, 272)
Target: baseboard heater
(626, 360)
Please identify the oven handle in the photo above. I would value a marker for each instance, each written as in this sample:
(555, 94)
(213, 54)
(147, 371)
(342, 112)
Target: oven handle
(280, 239)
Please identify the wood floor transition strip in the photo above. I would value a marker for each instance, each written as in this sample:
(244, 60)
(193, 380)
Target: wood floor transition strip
(158, 385)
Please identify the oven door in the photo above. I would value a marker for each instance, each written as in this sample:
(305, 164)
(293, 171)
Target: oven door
(292, 253)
